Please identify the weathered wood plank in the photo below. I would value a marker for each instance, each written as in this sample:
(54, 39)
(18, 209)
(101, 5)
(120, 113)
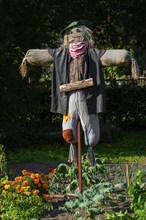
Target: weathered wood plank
(76, 85)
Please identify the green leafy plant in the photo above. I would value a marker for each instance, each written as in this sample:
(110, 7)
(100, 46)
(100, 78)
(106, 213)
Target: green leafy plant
(92, 201)
(96, 192)
(17, 206)
(118, 216)
(65, 178)
(137, 193)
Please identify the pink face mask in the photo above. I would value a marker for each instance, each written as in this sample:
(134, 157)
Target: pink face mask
(77, 48)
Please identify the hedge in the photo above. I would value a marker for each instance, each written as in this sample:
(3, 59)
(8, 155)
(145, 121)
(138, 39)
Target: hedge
(33, 121)
(126, 105)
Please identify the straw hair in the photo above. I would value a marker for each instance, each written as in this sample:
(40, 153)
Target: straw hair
(88, 37)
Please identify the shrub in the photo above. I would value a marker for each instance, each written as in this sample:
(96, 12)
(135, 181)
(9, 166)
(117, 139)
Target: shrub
(3, 162)
(126, 105)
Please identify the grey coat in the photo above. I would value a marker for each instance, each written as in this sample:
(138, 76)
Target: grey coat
(95, 95)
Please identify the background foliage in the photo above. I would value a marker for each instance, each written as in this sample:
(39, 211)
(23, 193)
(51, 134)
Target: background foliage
(126, 106)
(30, 24)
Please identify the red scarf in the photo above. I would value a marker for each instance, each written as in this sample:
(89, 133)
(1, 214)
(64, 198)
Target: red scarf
(77, 48)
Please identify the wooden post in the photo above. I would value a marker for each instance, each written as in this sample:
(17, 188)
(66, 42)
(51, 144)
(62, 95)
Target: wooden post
(79, 157)
(127, 175)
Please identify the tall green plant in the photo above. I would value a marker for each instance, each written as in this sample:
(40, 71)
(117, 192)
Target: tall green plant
(137, 191)
(137, 194)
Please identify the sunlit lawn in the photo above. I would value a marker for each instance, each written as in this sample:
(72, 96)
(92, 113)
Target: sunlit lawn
(125, 146)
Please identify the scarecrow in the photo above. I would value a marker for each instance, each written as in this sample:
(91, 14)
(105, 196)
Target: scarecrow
(78, 91)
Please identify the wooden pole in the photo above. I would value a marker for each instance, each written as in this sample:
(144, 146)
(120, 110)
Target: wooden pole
(127, 175)
(79, 157)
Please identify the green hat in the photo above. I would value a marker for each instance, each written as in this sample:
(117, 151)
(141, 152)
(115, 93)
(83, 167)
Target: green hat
(76, 24)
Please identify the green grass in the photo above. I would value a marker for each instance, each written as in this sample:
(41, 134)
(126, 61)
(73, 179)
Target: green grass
(42, 153)
(124, 146)
(128, 146)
